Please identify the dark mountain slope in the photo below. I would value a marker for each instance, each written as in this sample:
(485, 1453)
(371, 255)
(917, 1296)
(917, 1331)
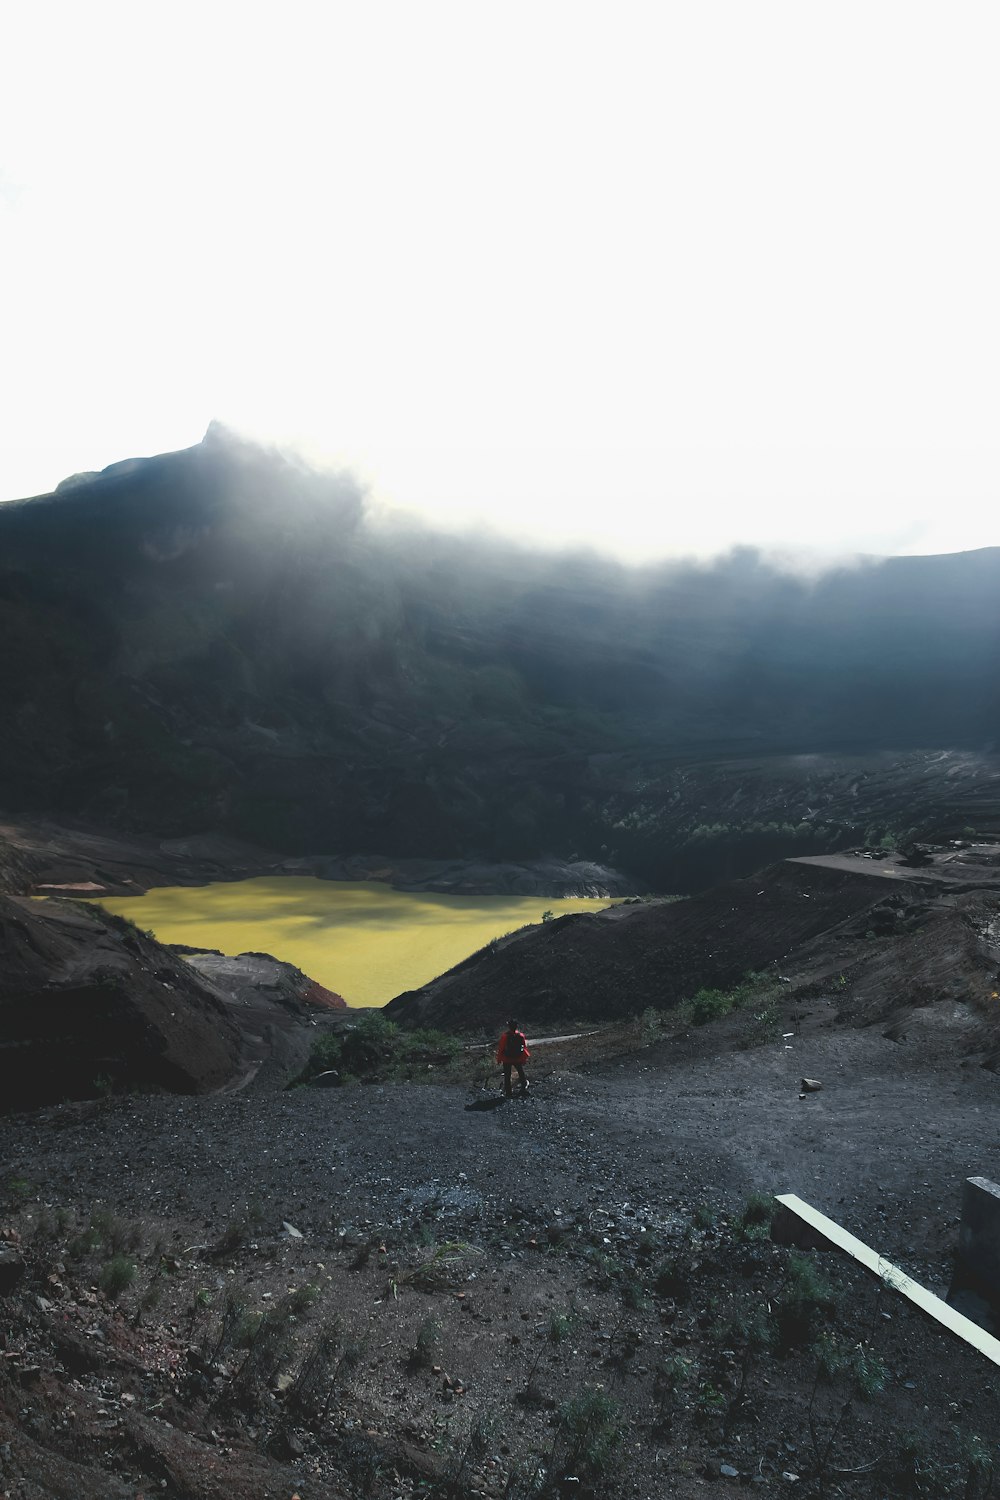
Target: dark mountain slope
(616, 963)
(218, 639)
(879, 936)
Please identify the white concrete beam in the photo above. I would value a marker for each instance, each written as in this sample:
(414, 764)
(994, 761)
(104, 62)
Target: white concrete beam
(895, 1277)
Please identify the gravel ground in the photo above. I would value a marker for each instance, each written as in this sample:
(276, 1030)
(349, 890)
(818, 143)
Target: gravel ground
(558, 1202)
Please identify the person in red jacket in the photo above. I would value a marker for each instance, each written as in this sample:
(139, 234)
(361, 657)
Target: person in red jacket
(513, 1053)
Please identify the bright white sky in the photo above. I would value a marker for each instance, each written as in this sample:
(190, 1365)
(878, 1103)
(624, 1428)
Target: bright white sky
(662, 275)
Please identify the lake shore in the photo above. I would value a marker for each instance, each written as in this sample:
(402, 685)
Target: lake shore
(363, 940)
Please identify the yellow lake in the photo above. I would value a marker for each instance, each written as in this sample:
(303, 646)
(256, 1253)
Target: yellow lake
(363, 940)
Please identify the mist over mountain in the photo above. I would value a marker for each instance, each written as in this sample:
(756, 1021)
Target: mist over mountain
(222, 639)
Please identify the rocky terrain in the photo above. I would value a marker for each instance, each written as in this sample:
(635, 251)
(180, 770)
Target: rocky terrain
(404, 1287)
(89, 1004)
(382, 1290)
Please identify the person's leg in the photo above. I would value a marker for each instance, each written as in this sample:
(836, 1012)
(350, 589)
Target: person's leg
(506, 1079)
(522, 1080)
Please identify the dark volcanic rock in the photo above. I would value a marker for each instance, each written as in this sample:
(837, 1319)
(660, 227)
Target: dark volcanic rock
(273, 1003)
(11, 1269)
(87, 1002)
(252, 978)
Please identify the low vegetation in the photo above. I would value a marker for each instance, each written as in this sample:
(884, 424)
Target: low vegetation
(670, 1354)
(373, 1048)
(758, 994)
(712, 1004)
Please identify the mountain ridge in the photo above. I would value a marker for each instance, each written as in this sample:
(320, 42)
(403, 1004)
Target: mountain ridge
(222, 640)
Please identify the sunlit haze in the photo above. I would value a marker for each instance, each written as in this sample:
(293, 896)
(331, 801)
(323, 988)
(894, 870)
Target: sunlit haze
(662, 277)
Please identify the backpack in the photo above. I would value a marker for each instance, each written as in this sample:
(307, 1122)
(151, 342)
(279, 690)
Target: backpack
(518, 1041)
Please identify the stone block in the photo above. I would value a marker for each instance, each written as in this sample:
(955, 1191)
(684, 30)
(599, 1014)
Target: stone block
(787, 1228)
(979, 1234)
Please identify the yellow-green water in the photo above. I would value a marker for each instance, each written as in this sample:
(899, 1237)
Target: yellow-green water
(363, 940)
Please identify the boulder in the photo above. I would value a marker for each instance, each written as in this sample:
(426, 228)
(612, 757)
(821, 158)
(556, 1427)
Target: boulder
(12, 1269)
(89, 1004)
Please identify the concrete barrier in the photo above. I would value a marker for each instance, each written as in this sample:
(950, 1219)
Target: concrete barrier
(969, 1329)
(979, 1234)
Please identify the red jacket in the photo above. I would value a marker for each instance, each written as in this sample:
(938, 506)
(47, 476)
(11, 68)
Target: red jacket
(513, 1048)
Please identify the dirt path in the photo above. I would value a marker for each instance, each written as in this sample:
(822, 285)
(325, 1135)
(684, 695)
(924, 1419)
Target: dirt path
(883, 1148)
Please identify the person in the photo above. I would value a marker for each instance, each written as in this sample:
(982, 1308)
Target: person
(513, 1053)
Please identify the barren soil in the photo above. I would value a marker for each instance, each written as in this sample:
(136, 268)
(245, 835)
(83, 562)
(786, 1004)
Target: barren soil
(628, 1157)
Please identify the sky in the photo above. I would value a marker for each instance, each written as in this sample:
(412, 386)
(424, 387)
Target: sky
(663, 277)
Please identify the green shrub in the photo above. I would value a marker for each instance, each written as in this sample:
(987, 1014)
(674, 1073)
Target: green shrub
(116, 1276)
(83, 1244)
(560, 1326)
(247, 1329)
(670, 1374)
(632, 1293)
(648, 1243)
(604, 1269)
(756, 1216)
(917, 1470)
(981, 1465)
(425, 1041)
(592, 1429)
(303, 1297)
(326, 1358)
(653, 1023)
(104, 1232)
(375, 1028)
(672, 1277)
(116, 1235)
(805, 1301)
(764, 1025)
(750, 988)
(325, 1053)
(425, 1346)
(709, 1402)
(375, 1047)
(265, 1337)
(442, 1269)
(831, 1356)
(749, 1329)
(868, 1372)
(235, 1234)
(709, 1005)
